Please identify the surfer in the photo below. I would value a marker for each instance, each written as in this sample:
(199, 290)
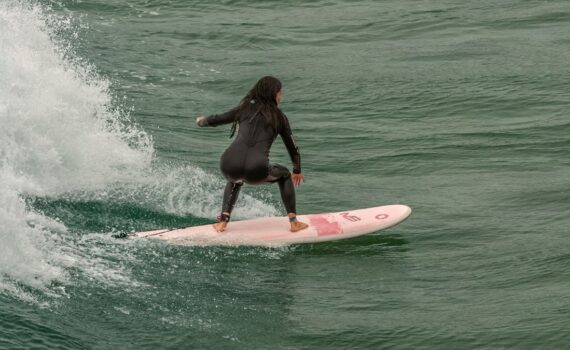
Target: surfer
(258, 120)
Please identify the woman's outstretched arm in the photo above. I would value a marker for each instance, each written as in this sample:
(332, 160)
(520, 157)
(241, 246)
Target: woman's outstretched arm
(217, 119)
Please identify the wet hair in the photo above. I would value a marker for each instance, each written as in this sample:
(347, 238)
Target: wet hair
(263, 95)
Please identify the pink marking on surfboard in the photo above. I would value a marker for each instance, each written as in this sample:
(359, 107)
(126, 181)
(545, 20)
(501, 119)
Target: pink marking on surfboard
(381, 216)
(323, 226)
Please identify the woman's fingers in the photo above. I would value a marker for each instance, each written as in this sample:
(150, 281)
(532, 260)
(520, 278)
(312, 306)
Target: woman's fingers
(297, 179)
(199, 120)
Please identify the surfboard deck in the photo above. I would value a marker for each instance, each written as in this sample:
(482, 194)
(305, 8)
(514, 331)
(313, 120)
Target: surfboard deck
(274, 231)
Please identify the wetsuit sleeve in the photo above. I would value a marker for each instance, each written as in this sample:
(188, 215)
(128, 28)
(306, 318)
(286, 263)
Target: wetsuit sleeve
(287, 136)
(219, 119)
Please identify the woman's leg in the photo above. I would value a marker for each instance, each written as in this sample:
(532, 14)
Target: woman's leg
(231, 193)
(281, 175)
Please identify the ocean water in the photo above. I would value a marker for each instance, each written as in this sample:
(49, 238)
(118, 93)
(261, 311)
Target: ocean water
(457, 109)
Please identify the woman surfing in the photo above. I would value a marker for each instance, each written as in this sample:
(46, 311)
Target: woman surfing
(258, 120)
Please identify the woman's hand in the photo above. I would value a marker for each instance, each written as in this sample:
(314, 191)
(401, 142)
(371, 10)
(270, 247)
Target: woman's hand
(297, 179)
(199, 120)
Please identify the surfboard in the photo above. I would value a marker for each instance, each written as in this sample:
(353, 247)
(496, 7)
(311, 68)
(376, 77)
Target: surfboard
(274, 231)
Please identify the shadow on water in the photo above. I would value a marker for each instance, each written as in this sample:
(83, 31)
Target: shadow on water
(96, 216)
(367, 245)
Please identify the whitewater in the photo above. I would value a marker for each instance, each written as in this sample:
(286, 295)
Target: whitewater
(66, 135)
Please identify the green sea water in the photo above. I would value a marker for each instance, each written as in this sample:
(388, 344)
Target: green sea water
(458, 109)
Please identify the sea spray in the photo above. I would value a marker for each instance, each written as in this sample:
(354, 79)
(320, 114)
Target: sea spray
(59, 133)
(63, 137)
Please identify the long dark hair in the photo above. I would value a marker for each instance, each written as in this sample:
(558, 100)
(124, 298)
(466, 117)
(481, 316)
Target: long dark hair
(264, 96)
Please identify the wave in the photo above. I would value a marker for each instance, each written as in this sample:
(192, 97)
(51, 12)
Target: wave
(63, 136)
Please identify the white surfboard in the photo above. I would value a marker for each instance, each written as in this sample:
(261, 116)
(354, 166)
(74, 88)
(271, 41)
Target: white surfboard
(272, 231)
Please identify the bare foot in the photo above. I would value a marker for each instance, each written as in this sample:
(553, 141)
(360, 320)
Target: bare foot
(298, 226)
(220, 226)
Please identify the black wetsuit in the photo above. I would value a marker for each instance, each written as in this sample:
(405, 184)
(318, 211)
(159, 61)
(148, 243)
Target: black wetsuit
(247, 158)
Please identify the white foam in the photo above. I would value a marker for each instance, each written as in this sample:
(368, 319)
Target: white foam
(60, 123)
(190, 190)
(61, 136)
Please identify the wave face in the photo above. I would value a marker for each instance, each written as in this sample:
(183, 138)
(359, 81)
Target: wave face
(64, 136)
(60, 133)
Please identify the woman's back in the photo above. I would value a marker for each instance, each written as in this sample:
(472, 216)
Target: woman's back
(247, 157)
